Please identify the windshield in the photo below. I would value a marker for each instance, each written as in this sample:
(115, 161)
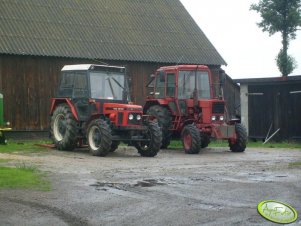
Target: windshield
(106, 85)
(187, 83)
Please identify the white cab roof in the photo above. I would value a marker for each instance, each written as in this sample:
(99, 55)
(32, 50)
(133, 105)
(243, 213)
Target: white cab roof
(85, 67)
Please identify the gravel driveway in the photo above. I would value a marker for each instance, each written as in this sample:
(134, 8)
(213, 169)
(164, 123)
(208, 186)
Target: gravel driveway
(216, 187)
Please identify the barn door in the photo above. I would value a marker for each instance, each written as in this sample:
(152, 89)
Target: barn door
(294, 114)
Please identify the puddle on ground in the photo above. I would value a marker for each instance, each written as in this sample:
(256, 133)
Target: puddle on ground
(104, 186)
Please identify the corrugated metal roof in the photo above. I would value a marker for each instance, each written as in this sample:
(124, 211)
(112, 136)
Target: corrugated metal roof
(131, 30)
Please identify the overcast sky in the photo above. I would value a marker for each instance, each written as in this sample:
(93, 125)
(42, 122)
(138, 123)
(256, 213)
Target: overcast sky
(231, 27)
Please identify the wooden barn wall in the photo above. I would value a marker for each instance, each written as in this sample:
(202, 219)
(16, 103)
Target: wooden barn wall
(278, 107)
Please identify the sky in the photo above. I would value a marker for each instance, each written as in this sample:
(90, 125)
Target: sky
(232, 28)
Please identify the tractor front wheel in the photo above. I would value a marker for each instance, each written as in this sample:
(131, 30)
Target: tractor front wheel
(191, 139)
(63, 128)
(241, 139)
(152, 147)
(99, 137)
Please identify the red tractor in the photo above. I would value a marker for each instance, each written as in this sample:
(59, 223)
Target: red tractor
(184, 103)
(92, 106)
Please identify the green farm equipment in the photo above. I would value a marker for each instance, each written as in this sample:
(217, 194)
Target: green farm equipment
(4, 126)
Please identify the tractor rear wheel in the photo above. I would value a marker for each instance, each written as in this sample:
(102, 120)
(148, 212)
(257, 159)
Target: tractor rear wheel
(152, 147)
(241, 140)
(191, 139)
(99, 137)
(164, 119)
(63, 128)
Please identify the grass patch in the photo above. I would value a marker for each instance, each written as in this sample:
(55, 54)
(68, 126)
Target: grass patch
(251, 144)
(295, 165)
(5, 160)
(23, 177)
(23, 146)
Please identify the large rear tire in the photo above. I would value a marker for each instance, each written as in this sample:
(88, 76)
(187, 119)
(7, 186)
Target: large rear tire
(99, 137)
(241, 140)
(152, 147)
(164, 119)
(63, 128)
(191, 139)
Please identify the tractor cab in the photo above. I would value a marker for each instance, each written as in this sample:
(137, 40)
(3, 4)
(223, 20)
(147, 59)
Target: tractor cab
(98, 82)
(90, 86)
(187, 90)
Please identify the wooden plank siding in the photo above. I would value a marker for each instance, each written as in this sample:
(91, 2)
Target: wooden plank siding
(28, 83)
(276, 107)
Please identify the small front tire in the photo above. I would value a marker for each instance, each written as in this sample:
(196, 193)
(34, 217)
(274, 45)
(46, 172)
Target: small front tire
(99, 137)
(191, 139)
(241, 139)
(152, 147)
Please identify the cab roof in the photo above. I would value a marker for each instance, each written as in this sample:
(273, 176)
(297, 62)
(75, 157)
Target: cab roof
(185, 67)
(86, 67)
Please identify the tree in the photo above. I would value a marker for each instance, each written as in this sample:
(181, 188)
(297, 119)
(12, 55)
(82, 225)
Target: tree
(282, 16)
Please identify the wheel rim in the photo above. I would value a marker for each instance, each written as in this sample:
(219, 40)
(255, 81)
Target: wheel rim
(94, 138)
(187, 140)
(59, 127)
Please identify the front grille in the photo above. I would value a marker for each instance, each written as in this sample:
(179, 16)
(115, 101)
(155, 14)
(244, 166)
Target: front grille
(218, 108)
(120, 117)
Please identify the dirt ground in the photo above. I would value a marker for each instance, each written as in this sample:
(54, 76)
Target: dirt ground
(216, 187)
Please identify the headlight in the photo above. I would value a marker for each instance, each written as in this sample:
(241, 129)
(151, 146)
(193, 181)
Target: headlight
(221, 118)
(7, 123)
(213, 118)
(131, 117)
(138, 117)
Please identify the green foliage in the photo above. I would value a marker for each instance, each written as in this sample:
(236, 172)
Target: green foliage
(23, 177)
(223, 143)
(279, 16)
(286, 63)
(282, 16)
(295, 164)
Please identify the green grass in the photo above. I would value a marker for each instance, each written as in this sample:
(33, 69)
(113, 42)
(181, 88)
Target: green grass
(295, 164)
(221, 143)
(23, 146)
(23, 177)
(4, 160)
